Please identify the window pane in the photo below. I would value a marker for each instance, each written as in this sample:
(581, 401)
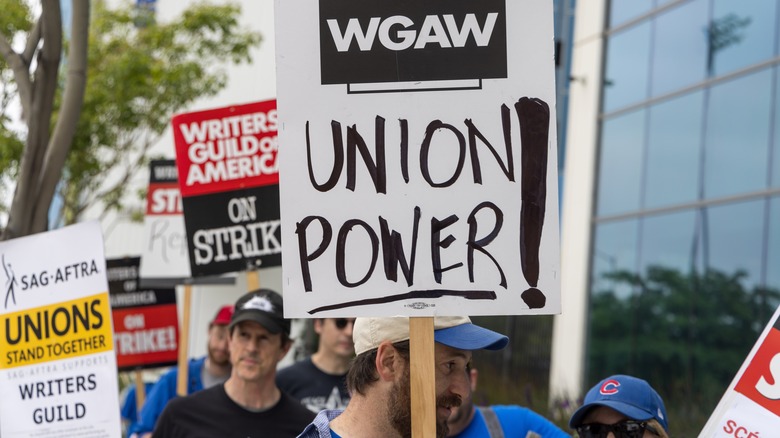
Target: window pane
(773, 255)
(625, 81)
(741, 33)
(674, 146)
(668, 242)
(776, 150)
(732, 238)
(614, 250)
(738, 135)
(623, 10)
(680, 50)
(620, 163)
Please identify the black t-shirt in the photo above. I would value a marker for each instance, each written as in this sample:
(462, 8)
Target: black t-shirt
(316, 389)
(211, 413)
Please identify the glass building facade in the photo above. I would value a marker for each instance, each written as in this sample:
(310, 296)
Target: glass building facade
(685, 245)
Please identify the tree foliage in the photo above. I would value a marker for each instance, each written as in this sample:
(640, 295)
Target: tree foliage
(34, 70)
(140, 72)
(686, 333)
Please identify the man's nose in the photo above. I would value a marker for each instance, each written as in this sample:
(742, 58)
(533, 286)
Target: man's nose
(460, 384)
(253, 345)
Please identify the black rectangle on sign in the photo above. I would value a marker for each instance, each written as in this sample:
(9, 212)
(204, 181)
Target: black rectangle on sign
(370, 41)
(124, 286)
(231, 231)
(163, 171)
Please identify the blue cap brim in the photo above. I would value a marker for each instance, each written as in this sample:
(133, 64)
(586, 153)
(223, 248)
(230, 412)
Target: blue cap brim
(628, 410)
(470, 337)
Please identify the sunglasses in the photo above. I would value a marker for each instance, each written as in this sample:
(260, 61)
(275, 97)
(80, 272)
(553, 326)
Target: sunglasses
(341, 323)
(624, 429)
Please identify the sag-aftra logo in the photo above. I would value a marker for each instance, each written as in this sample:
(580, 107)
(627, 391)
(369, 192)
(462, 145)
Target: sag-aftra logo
(371, 41)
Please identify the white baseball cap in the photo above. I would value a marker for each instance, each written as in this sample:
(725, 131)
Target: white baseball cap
(452, 331)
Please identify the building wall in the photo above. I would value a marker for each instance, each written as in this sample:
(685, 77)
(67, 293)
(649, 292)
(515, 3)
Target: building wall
(569, 328)
(676, 254)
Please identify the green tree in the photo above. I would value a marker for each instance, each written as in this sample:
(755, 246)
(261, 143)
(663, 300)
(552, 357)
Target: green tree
(140, 72)
(686, 333)
(35, 72)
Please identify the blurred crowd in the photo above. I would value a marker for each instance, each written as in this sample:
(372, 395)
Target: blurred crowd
(357, 384)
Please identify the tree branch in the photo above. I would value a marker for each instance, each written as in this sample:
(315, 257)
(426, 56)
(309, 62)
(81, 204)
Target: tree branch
(70, 111)
(32, 43)
(26, 198)
(21, 70)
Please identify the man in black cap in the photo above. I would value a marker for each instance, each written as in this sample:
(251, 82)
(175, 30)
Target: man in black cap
(248, 404)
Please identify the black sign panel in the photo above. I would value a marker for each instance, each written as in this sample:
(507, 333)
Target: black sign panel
(371, 41)
(228, 231)
(145, 320)
(124, 290)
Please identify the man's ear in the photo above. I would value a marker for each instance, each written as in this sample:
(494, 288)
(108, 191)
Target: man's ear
(285, 347)
(317, 325)
(473, 375)
(387, 365)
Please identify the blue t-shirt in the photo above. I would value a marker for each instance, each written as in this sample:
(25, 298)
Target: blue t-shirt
(164, 391)
(516, 422)
(129, 411)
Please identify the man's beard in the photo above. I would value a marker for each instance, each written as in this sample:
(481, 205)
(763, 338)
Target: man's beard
(400, 406)
(217, 358)
(460, 417)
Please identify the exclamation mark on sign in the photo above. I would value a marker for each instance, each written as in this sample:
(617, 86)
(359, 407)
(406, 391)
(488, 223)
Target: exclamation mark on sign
(534, 117)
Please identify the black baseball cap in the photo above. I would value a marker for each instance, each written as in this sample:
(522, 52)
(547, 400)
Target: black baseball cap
(264, 307)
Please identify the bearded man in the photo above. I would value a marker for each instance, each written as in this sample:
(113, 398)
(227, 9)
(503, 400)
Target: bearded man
(379, 378)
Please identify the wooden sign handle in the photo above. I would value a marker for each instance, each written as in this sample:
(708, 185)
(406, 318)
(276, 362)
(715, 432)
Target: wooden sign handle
(252, 280)
(181, 381)
(423, 377)
(140, 390)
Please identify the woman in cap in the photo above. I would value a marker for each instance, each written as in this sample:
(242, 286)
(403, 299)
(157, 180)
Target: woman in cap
(621, 406)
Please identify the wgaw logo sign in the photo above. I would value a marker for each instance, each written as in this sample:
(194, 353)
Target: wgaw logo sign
(380, 41)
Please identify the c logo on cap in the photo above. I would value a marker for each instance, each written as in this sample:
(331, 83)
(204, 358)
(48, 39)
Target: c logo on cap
(609, 387)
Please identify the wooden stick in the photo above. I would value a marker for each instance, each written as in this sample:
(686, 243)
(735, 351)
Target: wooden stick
(252, 280)
(140, 390)
(423, 377)
(181, 381)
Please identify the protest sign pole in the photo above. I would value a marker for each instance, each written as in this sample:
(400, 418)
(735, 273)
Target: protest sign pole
(252, 280)
(140, 390)
(181, 382)
(423, 377)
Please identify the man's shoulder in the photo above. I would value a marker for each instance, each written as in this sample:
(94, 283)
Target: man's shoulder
(298, 377)
(510, 409)
(205, 397)
(514, 416)
(297, 368)
(320, 426)
(193, 363)
(291, 406)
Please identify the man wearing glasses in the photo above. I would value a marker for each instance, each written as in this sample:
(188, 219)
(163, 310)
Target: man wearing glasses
(623, 406)
(319, 381)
